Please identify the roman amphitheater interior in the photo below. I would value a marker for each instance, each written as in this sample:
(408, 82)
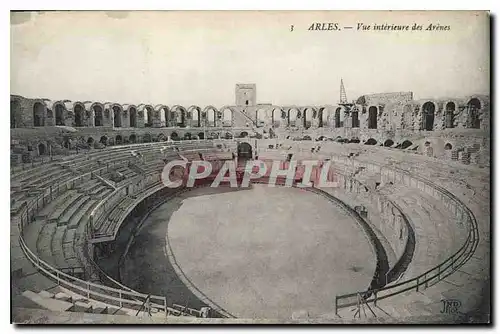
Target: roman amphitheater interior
(413, 196)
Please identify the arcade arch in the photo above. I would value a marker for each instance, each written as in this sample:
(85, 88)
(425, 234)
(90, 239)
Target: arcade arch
(209, 116)
(245, 151)
(428, 111)
(133, 117)
(15, 112)
(372, 117)
(179, 114)
(226, 114)
(474, 109)
(78, 109)
(337, 122)
(194, 114)
(60, 113)
(117, 116)
(38, 114)
(449, 115)
(98, 116)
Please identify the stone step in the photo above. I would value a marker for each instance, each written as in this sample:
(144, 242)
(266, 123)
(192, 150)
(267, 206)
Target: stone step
(48, 209)
(61, 209)
(44, 241)
(48, 303)
(82, 213)
(81, 307)
(75, 206)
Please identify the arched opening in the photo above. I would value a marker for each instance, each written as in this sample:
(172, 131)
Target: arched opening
(38, 114)
(428, 110)
(448, 146)
(293, 114)
(166, 116)
(174, 136)
(118, 140)
(372, 117)
(59, 114)
(194, 114)
(277, 116)
(103, 140)
(201, 135)
(117, 117)
(406, 144)
(388, 142)
(449, 118)
(187, 136)
(306, 137)
(473, 107)
(243, 134)
(133, 117)
(41, 149)
(15, 111)
(321, 114)
(179, 115)
(209, 116)
(337, 118)
(98, 119)
(261, 117)
(146, 138)
(160, 114)
(356, 141)
(78, 110)
(226, 117)
(371, 141)
(90, 141)
(244, 151)
(355, 119)
(228, 135)
(307, 118)
(132, 139)
(148, 121)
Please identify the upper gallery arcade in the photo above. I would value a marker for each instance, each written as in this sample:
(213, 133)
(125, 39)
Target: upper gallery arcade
(385, 111)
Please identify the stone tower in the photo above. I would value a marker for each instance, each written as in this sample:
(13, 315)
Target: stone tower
(246, 95)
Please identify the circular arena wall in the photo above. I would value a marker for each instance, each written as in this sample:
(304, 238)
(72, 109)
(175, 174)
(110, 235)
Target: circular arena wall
(24, 217)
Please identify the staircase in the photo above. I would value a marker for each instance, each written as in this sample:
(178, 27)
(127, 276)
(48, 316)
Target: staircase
(241, 120)
(61, 299)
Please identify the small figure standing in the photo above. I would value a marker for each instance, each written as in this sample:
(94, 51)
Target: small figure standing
(205, 312)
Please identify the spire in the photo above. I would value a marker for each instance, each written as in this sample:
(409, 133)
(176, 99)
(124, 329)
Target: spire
(343, 95)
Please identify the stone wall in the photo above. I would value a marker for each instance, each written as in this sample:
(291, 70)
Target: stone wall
(386, 98)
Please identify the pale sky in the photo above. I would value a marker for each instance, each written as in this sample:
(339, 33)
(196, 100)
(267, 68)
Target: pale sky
(198, 57)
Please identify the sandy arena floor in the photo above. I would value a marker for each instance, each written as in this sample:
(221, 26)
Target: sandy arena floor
(258, 253)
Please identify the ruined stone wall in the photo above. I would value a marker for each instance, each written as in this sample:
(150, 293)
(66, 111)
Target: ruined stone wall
(386, 98)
